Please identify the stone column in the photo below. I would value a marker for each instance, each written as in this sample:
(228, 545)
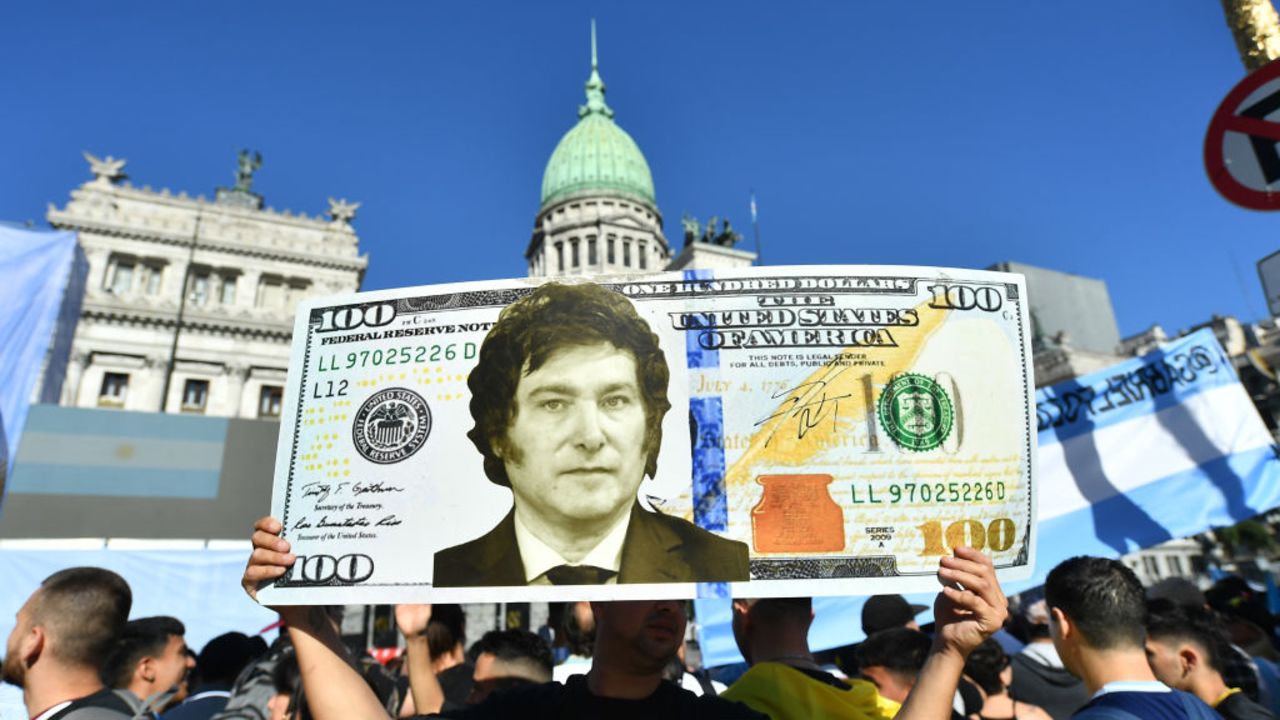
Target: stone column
(233, 403)
(75, 372)
(157, 368)
(247, 288)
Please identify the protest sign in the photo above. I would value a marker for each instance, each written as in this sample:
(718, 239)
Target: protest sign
(779, 431)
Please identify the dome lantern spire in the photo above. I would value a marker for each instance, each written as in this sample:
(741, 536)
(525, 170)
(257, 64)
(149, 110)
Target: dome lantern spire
(595, 85)
(597, 156)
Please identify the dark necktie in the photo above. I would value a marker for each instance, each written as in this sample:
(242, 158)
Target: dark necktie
(578, 575)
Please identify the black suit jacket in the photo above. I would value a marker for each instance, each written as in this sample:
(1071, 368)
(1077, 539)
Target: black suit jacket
(658, 549)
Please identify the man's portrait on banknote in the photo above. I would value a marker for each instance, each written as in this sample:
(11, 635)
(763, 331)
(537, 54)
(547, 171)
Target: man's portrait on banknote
(568, 398)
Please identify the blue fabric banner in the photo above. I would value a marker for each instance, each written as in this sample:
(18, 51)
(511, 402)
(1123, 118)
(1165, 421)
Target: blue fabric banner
(35, 267)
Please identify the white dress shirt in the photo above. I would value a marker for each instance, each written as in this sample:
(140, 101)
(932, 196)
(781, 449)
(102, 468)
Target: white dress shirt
(538, 557)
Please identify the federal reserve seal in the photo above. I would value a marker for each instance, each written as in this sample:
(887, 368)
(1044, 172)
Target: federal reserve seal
(391, 425)
(916, 412)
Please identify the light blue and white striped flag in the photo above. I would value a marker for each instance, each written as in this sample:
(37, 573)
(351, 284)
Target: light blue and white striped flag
(1155, 448)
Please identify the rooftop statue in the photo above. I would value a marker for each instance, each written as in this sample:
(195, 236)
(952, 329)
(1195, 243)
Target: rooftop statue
(105, 170)
(248, 165)
(341, 211)
(727, 237)
(694, 232)
(691, 228)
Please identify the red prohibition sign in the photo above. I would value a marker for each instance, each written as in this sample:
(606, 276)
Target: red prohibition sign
(1240, 148)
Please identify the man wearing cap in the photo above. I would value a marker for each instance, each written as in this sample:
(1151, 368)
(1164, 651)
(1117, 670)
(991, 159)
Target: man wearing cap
(885, 612)
(879, 612)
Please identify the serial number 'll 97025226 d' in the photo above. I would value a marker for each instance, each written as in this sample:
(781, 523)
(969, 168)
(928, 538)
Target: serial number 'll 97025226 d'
(952, 492)
(407, 355)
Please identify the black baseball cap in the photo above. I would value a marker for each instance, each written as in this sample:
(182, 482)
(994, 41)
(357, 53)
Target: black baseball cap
(882, 612)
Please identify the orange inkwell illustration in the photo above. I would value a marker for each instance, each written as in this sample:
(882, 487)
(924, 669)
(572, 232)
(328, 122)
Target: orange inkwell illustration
(796, 514)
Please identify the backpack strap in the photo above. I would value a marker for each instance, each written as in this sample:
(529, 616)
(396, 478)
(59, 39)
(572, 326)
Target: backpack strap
(141, 708)
(704, 681)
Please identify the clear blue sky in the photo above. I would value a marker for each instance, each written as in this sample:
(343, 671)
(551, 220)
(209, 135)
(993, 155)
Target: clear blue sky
(1066, 134)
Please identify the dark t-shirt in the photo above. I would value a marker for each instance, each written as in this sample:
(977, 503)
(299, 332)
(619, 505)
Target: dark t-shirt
(574, 701)
(1238, 706)
(456, 683)
(1146, 705)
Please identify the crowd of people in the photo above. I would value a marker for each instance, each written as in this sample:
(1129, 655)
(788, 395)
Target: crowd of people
(1093, 644)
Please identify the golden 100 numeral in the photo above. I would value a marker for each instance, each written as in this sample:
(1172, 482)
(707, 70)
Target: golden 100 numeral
(998, 535)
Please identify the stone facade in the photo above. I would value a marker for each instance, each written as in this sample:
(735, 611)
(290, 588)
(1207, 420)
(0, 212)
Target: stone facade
(244, 270)
(597, 233)
(706, 256)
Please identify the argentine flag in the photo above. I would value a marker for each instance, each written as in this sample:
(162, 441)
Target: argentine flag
(1155, 448)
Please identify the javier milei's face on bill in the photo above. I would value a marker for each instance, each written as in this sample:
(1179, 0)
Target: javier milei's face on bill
(574, 451)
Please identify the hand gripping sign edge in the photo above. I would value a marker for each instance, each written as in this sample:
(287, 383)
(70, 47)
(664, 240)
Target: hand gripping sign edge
(1227, 119)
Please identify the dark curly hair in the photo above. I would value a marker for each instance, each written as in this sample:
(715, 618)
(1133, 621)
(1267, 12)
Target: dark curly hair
(985, 664)
(532, 329)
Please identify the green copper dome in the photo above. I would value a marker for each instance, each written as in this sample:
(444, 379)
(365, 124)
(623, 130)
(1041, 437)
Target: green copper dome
(596, 154)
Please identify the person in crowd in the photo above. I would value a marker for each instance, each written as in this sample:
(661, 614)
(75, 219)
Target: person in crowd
(879, 612)
(446, 643)
(885, 612)
(785, 681)
(568, 397)
(634, 641)
(696, 680)
(255, 685)
(988, 667)
(892, 659)
(1239, 668)
(217, 666)
(150, 660)
(287, 701)
(1039, 677)
(578, 627)
(1245, 613)
(1097, 616)
(63, 634)
(1185, 647)
(1253, 668)
(508, 659)
(503, 659)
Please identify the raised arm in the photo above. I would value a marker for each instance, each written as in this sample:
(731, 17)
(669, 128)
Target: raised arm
(969, 609)
(428, 696)
(334, 690)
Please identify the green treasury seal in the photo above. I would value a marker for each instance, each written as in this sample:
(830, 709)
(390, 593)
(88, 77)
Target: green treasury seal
(916, 412)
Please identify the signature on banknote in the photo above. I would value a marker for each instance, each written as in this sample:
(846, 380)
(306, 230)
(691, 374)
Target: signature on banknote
(322, 490)
(357, 521)
(808, 404)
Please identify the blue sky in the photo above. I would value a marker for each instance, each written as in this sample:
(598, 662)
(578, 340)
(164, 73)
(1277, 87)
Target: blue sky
(1066, 134)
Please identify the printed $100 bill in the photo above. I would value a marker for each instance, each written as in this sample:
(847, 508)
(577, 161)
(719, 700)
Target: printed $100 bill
(766, 432)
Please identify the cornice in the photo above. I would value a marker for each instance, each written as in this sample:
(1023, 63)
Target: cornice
(541, 234)
(63, 220)
(238, 325)
(183, 201)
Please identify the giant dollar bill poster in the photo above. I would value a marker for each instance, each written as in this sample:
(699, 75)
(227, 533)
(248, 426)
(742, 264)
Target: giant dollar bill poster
(763, 432)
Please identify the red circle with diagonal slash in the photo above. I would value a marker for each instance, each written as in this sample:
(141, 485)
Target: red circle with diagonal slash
(1227, 120)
